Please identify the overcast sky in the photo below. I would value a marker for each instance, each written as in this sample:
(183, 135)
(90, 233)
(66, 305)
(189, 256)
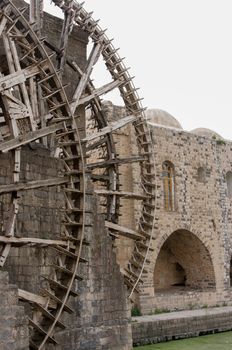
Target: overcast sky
(180, 52)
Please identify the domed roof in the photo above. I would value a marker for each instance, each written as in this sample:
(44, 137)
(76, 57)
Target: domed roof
(206, 133)
(158, 116)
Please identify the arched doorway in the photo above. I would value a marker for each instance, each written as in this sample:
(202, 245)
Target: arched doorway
(183, 263)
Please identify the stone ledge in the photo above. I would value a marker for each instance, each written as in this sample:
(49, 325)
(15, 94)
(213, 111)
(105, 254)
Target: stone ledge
(179, 325)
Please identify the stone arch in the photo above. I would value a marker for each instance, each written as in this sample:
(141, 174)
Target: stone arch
(168, 174)
(229, 183)
(183, 261)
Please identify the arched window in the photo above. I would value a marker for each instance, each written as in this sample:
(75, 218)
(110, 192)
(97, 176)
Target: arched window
(201, 174)
(229, 183)
(169, 186)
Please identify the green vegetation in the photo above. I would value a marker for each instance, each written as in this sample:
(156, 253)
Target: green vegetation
(219, 341)
(135, 311)
(159, 311)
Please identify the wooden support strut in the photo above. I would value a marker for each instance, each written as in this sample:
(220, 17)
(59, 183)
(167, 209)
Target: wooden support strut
(29, 137)
(110, 128)
(86, 75)
(123, 231)
(33, 184)
(129, 195)
(118, 161)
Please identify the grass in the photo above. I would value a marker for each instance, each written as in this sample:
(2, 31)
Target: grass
(219, 341)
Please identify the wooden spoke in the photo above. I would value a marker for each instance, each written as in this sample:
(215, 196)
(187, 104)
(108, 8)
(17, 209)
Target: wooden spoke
(112, 127)
(29, 137)
(94, 55)
(123, 231)
(31, 241)
(33, 185)
(101, 91)
(121, 194)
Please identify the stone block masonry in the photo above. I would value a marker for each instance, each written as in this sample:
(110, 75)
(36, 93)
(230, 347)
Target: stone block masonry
(179, 325)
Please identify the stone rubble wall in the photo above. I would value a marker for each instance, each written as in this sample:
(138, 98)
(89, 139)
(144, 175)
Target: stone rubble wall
(13, 323)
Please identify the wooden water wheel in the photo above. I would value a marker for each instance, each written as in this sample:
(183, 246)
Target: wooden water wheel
(35, 108)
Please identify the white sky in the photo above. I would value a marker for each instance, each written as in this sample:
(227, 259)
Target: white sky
(180, 53)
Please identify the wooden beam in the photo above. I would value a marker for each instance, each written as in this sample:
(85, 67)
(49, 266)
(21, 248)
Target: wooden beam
(33, 184)
(118, 161)
(34, 298)
(29, 137)
(129, 195)
(123, 231)
(110, 128)
(32, 241)
(19, 77)
(101, 91)
(36, 14)
(95, 53)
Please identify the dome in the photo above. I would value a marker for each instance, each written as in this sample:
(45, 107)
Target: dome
(158, 116)
(206, 133)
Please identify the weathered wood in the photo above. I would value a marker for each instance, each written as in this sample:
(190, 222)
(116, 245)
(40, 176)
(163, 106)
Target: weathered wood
(13, 79)
(29, 137)
(34, 298)
(32, 241)
(101, 91)
(110, 128)
(4, 254)
(3, 23)
(42, 331)
(123, 231)
(119, 161)
(33, 184)
(66, 31)
(86, 75)
(129, 195)
(36, 14)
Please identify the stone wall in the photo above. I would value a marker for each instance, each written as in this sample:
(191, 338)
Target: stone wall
(203, 211)
(13, 323)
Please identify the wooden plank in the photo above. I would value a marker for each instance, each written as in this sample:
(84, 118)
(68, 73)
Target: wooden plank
(110, 128)
(29, 137)
(101, 91)
(33, 184)
(35, 298)
(129, 195)
(123, 231)
(33, 241)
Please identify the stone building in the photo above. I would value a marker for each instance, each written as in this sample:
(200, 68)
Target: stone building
(189, 264)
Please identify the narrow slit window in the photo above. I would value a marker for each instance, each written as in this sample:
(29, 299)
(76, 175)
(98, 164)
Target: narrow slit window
(169, 186)
(229, 183)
